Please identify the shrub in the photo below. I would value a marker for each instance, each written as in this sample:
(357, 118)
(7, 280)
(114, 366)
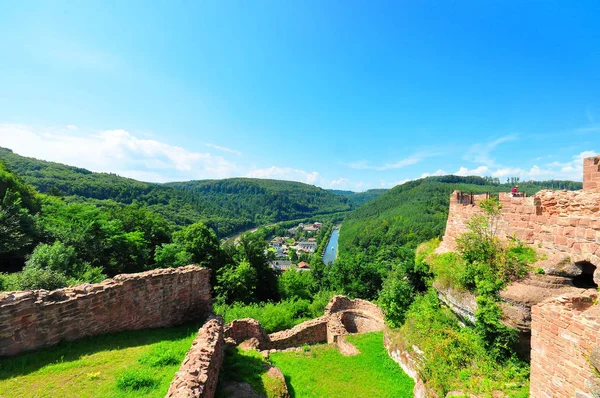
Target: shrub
(38, 278)
(395, 297)
(136, 380)
(272, 316)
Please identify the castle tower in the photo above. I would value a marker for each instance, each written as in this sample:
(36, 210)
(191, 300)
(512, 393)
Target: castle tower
(591, 174)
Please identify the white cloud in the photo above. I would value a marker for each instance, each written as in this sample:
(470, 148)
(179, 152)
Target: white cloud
(408, 161)
(439, 172)
(285, 173)
(506, 172)
(481, 153)
(115, 151)
(479, 171)
(224, 149)
(339, 181)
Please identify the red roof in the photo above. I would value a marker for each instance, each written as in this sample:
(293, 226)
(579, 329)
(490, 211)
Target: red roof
(303, 264)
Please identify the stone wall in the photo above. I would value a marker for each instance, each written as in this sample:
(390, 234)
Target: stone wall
(591, 174)
(157, 298)
(564, 224)
(565, 347)
(309, 332)
(342, 316)
(199, 372)
(408, 362)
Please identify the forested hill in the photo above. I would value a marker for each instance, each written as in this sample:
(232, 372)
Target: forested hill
(416, 211)
(228, 206)
(360, 198)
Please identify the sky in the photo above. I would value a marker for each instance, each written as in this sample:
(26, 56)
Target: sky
(348, 95)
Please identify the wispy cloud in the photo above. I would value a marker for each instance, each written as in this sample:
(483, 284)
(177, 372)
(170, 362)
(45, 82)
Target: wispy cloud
(285, 173)
(116, 151)
(407, 161)
(438, 172)
(482, 152)
(224, 149)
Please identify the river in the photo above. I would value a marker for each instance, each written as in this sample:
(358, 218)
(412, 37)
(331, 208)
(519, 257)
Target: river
(331, 250)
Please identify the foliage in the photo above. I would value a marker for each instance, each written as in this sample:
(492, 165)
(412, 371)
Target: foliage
(454, 357)
(272, 316)
(296, 284)
(33, 278)
(322, 371)
(237, 283)
(227, 206)
(396, 296)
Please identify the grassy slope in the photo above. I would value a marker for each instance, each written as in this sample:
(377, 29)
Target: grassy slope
(91, 367)
(323, 372)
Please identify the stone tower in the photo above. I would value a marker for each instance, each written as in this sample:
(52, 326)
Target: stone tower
(591, 174)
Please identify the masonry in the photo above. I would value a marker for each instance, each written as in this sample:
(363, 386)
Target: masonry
(565, 347)
(565, 327)
(564, 224)
(157, 298)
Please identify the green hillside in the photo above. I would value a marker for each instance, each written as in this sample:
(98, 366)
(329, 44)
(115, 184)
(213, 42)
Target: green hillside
(228, 206)
(360, 198)
(416, 211)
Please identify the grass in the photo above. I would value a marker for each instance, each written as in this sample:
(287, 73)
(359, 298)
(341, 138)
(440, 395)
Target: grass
(127, 364)
(321, 371)
(247, 366)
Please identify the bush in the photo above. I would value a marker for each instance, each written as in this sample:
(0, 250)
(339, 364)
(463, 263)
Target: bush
(272, 316)
(296, 284)
(395, 297)
(136, 380)
(454, 357)
(36, 278)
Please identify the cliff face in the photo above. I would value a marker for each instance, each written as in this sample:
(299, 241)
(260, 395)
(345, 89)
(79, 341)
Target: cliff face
(564, 226)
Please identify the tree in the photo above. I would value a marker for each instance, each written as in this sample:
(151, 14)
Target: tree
(237, 283)
(171, 255)
(296, 284)
(203, 246)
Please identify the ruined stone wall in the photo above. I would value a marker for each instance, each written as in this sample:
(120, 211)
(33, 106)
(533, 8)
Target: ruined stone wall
(309, 332)
(565, 345)
(563, 223)
(199, 372)
(408, 362)
(342, 316)
(157, 298)
(591, 174)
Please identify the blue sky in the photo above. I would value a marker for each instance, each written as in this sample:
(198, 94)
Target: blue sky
(347, 95)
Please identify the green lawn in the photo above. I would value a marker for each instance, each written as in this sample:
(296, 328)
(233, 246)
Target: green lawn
(126, 364)
(321, 371)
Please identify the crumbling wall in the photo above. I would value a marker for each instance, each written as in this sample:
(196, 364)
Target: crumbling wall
(591, 174)
(565, 224)
(565, 356)
(342, 316)
(309, 332)
(199, 372)
(157, 298)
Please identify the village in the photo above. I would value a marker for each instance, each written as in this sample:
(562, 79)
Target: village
(294, 249)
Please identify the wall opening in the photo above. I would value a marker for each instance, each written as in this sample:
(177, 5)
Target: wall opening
(585, 280)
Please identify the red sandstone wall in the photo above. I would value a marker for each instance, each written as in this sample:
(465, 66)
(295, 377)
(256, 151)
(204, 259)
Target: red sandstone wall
(591, 174)
(564, 223)
(565, 333)
(157, 298)
(199, 372)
